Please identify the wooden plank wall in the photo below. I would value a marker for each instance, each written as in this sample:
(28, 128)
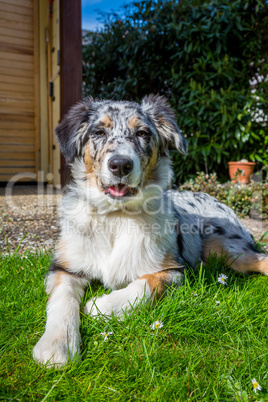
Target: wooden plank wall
(19, 134)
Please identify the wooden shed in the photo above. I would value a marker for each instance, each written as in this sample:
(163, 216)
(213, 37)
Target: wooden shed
(40, 78)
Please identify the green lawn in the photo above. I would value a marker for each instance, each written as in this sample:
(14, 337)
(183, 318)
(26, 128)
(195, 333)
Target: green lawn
(205, 351)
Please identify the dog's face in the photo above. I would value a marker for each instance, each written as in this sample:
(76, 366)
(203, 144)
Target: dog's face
(119, 148)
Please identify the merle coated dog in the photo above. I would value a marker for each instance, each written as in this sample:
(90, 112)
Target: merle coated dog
(121, 224)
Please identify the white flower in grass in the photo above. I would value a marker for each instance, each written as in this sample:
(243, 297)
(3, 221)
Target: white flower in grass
(23, 257)
(256, 385)
(156, 325)
(217, 302)
(106, 334)
(222, 279)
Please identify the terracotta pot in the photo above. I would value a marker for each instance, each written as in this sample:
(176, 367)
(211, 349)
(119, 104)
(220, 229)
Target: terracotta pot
(246, 168)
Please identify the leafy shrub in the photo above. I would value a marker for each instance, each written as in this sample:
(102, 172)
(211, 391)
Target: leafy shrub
(201, 55)
(246, 200)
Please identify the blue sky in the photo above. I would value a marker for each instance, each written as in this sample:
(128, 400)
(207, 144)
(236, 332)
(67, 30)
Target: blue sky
(90, 15)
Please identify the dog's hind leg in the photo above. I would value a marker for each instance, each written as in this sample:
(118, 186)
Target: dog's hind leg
(241, 254)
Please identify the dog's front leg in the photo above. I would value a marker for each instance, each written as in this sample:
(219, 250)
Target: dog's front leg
(61, 339)
(148, 287)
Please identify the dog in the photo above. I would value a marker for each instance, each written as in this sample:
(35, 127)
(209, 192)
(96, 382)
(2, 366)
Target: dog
(122, 225)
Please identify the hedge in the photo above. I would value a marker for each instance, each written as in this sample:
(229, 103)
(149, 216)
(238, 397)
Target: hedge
(209, 58)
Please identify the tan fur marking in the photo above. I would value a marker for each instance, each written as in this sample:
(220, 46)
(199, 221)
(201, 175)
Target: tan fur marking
(106, 121)
(211, 247)
(88, 160)
(169, 262)
(133, 122)
(165, 125)
(150, 169)
(245, 263)
(61, 248)
(162, 120)
(90, 169)
(57, 281)
(156, 283)
(158, 280)
(251, 263)
(82, 128)
(263, 266)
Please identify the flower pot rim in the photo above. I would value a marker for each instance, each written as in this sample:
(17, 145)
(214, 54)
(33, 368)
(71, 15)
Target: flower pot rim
(242, 163)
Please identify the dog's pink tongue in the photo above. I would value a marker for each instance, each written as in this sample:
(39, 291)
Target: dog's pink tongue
(119, 190)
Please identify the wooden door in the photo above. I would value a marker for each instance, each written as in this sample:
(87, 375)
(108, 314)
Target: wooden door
(19, 97)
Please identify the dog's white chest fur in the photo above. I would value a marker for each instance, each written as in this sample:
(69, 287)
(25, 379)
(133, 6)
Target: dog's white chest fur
(115, 248)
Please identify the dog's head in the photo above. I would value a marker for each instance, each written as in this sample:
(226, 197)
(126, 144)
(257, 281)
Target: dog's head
(119, 148)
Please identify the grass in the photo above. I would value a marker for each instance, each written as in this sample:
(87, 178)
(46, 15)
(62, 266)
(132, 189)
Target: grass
(204, 352)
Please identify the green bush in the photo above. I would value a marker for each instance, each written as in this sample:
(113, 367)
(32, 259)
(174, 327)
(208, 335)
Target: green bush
(201, 55)
(246, 200)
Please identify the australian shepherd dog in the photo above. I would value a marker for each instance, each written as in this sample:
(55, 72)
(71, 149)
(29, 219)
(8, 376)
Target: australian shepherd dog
(122, 225)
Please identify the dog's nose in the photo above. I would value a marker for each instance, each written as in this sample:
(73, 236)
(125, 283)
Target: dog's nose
(120, 166)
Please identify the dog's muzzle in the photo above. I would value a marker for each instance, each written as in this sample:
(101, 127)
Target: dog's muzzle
(120, 166)
(121, 174)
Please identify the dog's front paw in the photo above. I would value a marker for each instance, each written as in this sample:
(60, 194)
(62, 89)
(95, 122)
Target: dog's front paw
(54, 350)
(99, 306)
(118, 301)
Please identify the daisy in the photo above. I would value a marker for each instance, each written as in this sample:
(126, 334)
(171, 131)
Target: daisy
(256, 385)
(106, 334)
(156, 325)
(217, 302)
(222, 279)
(23, 257)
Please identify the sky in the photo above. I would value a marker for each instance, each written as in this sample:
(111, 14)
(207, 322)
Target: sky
(90, 13)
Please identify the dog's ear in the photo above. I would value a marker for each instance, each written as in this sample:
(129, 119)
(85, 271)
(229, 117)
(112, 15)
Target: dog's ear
(71, 129)
(164, 119)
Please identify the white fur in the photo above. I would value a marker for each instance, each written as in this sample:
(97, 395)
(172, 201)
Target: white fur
(124, 247)
(119, 301)
(61, 339)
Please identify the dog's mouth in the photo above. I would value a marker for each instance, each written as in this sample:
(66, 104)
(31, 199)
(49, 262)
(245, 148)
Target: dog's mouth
(120, 191)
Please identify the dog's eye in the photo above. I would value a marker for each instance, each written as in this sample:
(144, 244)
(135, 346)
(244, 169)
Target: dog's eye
(100, 133)
(142, 133)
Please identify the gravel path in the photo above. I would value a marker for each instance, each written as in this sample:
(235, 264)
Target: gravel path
(28, 216)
